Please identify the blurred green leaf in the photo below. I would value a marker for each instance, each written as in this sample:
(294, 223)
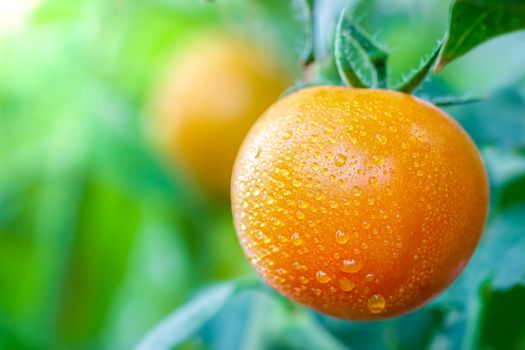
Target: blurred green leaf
(513, 193)
(247, 322)
(510, 334)
(506, 108)
(473, 22)
(159, 276)
(283, 25)
(450, 334)
(497, 259)
(447, 101)
(184, 322)
(305, 333)
(304, 15)
(413, 331)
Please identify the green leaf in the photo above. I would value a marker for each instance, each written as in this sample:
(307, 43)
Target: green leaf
(306, 333)
(184, 322)
(247, 322)
(502, 306)
(473, 22)
(508, 269)
(304, 15)
(286, 24)
(498, 259)
(448, 101)
(412, 331)
(360, 61)
(416, 76)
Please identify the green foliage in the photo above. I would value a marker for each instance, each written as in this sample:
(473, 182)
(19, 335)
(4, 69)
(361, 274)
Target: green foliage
(362, 63)
(447, 101)
(473, 22)
(187, 320)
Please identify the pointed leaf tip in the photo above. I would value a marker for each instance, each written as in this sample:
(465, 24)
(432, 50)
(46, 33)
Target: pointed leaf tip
(418, 75)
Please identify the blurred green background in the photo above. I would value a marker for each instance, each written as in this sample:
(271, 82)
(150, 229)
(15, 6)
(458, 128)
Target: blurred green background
(100, 239)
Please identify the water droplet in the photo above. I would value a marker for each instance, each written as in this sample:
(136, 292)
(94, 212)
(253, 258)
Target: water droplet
(381, 139)
(296, 183)
(328, 130)
(287, 135)
(376, 303)
(270, 200)
(373, 181)
(302, 204)
(346, 285)
(257, 152)
(350, 266)
(340, 159)
(356, 191)
(378, 160)
(404, 145)
(366, 225)
(282, 238)
(304, 280)
(369, 277)
(322, 277)
(296, 239)
(332, 204)
(341, 237)
(419, 172)
(245, 204)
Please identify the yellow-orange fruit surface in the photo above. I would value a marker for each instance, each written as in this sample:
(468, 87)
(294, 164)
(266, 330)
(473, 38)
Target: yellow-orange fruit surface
(207, 100)
(361, 204)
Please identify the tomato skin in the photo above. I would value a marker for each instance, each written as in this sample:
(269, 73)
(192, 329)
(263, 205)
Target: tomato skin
(207, 100)
(361, 204)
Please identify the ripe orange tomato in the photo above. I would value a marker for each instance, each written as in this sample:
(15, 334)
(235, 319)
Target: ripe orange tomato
(206, 102)
(361, 204)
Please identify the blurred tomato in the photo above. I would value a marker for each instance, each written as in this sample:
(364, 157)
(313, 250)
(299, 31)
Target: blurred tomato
(208, 97)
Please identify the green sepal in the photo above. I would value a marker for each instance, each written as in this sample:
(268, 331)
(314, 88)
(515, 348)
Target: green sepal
(418, 75)
(360, 61)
